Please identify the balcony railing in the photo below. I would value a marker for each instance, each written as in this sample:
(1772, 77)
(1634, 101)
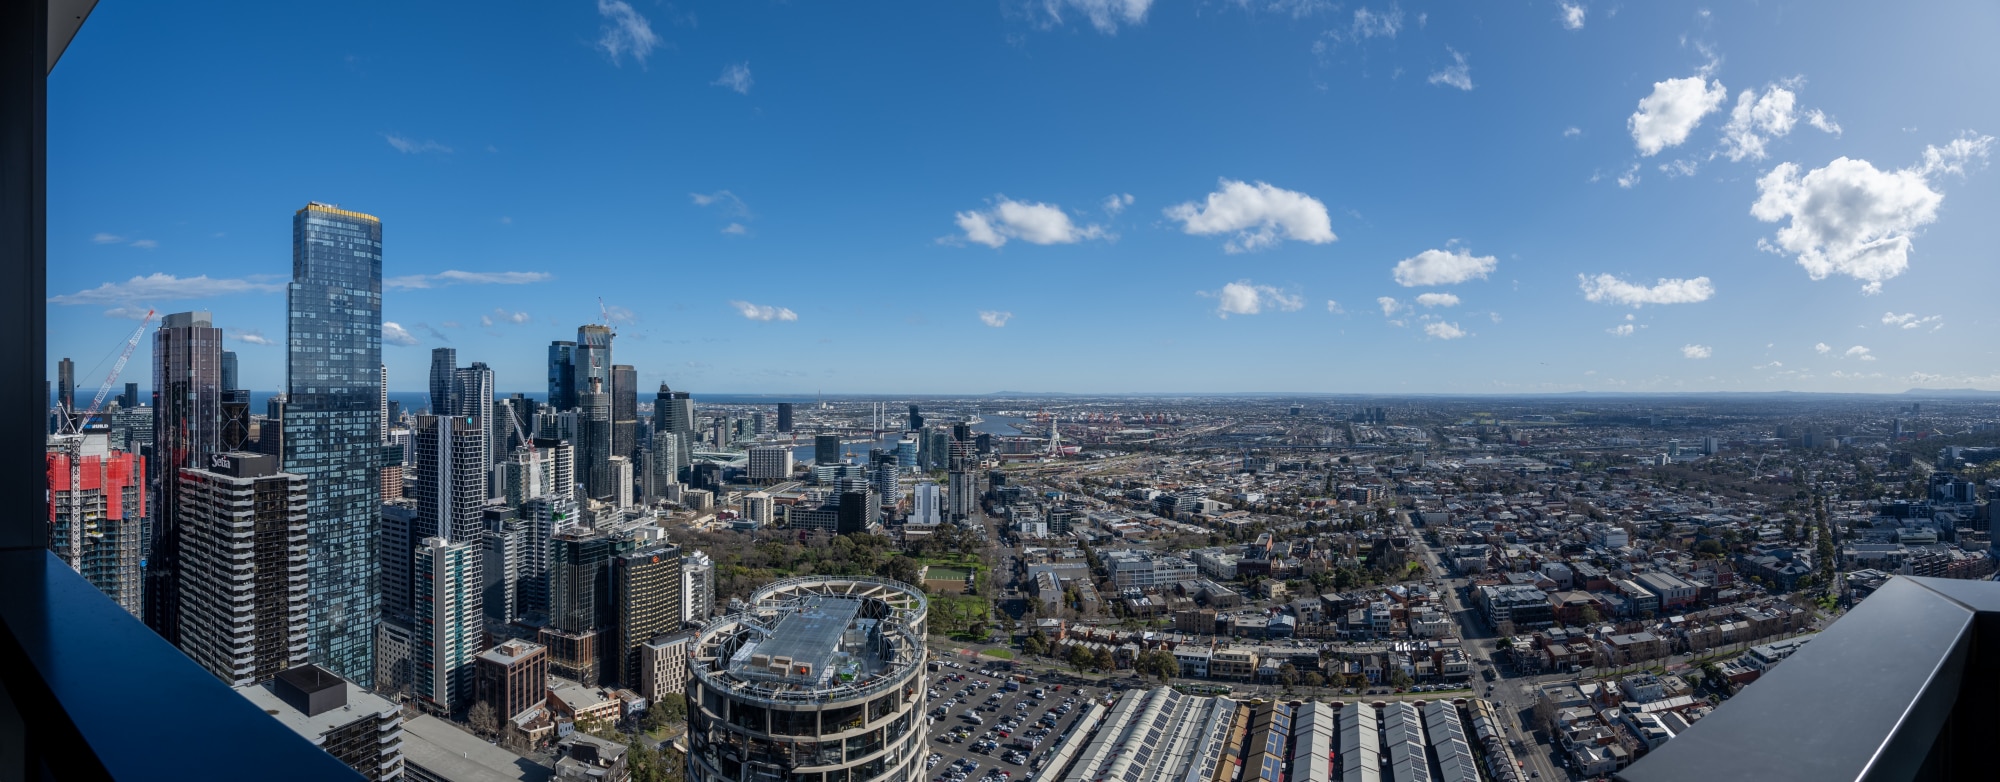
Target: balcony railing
(1901, 688)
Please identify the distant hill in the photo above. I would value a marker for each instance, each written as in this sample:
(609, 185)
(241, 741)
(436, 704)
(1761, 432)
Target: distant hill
(1954, 393)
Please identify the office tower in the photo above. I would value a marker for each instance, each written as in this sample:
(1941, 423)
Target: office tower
(512, 677)
(758, 425)
(924, 505)
(826, 449)
(982, 443)
(673, 411)
(592, 359)
(961, 432)
(132, 432)
(697, 587)
(330, 433)
(444, 381)
(784, 418)
(770, 463)
(500, 437)
(662, 464)
(916, 421)
(243, 564)
(397, 550)
(472, 393)
(545, 467)
(545, 517)
(97, 513)
(130, 398)
(562, 375)
(646, 602)
(936, 450)
(187, 427)
(624, 409)
(621, 482)
(235, 411)
(882, 478)
(448, 612)
(579, 603)
(906, 455)
(382, 404)
(593, 446)
(503, 548)
(860, 511)
(361, 729)
(451, 477)
(964, 491)
(271, 435)
(66, 384)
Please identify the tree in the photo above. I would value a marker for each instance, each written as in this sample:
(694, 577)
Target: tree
(482, 718)
(1080, 657)
(1589, 615)
(1399, 680)
(1288, 675)
(1314, 680)
(670, 709)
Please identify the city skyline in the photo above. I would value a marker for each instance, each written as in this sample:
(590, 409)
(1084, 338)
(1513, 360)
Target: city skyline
(1210, 184)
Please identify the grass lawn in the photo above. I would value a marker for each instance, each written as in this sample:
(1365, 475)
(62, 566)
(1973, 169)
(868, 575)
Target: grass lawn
(945, 574)
(1004, 654)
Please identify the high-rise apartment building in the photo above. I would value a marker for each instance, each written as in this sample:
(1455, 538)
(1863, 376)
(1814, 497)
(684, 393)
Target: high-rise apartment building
(331, 435)
(826, 449)
(472, 392)
(579, 603)
(242, 574)
(925, 508)
(444, 381)
(882, 477)
(97, 509)
(673, 412)
(662, 465)
(592, 359)
(624, 410)
(448, 622)
(545, 517)
(357, 727)
(770, 463)
(451, 478)
(646, 603)
(784, 418)
(593, 448)
(697, 587)
(397, 551)
(504, 548)
(187, 428)
(562, 375)
(916, 422)
(963, 489)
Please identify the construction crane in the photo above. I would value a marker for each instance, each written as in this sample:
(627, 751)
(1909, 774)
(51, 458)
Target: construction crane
(70, 444)
(74, 424)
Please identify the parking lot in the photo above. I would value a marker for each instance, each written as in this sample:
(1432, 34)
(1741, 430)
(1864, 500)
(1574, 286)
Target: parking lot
(1008, 720)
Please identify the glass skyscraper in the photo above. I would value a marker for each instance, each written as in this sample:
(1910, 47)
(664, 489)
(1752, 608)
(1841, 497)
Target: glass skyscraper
(331, 426)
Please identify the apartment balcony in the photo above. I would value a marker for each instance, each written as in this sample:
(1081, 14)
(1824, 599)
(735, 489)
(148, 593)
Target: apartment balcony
(1901, 688)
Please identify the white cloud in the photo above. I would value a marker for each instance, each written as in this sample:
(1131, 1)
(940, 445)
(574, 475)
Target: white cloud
(1630, 177)
(105, 238)
(1953, 158)
(502, 315)
(1105, 15)
(1369, 23)
(1608, 288)
(1246, 298)
(164, 287)
(1572, 16)
(1853, 219)
(736, 229)
(410, 146)
(395, 334)
(253, 337)
(625, 31)
(1909, 320)
(1696, 351)
(1443, 330)
(1859, 353)
(1334, 307)
(456, 277)
(1820, 119)
(1258, 214)
(1756, 120)
(994, 318)
(1389, 305)
(1033, 223)
(735, 77)
(1572, 132)
(1675, 169)
(1621, 330)
(1458, 74)
(1822, 348)
(1117, 203)
(763, 312)
(1673, 110)
(1438, 300)
(1443, 267)
(724, 200)
(145, 244)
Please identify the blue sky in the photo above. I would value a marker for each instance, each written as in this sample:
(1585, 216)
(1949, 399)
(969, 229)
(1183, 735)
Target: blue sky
(1073, 195)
